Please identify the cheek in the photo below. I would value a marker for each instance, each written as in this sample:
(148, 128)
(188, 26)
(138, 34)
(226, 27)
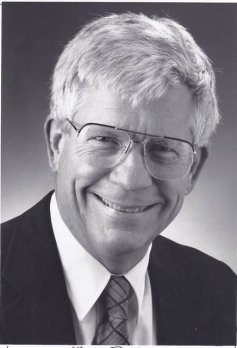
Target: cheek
(84, 179)
(173, 189)
(173, 193)
(76, 173)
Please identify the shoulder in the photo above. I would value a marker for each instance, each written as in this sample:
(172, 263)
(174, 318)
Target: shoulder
(20, 226)
(191, 263)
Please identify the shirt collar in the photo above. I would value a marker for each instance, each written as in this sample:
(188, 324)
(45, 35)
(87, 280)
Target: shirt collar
(136, 277)
(85, 276)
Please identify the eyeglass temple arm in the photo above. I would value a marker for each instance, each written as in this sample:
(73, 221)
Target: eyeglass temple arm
(76, 129)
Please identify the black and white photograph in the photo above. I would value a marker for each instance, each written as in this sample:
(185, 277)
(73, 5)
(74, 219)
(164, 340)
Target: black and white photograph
(118, 173)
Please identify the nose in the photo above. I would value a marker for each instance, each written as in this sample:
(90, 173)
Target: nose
(131, 172)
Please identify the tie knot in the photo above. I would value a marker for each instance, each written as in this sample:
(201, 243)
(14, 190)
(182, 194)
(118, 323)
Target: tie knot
(116, 296)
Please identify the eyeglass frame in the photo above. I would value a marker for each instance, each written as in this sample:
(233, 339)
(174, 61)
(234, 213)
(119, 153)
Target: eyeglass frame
(78, 130)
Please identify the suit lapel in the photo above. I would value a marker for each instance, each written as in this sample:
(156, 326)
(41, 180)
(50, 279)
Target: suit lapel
(36, 308)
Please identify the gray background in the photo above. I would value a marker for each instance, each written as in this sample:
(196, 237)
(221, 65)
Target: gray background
(33, 35)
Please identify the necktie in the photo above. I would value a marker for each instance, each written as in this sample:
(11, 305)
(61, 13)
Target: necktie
(112, 329)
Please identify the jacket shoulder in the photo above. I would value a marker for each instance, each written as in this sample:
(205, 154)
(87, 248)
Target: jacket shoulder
(193, 262)
(12, 228)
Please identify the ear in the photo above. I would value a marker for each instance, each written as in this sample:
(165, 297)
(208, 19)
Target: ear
(55, 140)
(199, 160)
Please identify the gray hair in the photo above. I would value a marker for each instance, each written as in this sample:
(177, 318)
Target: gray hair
(141, 58)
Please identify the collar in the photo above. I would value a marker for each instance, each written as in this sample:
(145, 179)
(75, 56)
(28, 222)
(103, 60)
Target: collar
(85, 276)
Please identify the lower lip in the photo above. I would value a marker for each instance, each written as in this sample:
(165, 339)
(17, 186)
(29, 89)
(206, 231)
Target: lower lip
(120, 212)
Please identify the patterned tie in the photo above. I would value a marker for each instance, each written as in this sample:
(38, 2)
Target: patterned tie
(112, 329)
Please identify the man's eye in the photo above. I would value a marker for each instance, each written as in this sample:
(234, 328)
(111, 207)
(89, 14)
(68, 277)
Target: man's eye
(104, 139)
(162, 149)
(105, 142)
(161, 152)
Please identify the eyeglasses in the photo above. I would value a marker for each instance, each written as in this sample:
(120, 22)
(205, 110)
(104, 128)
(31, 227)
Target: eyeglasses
(106, 146)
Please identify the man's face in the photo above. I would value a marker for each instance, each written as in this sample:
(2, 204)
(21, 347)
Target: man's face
(98, 205)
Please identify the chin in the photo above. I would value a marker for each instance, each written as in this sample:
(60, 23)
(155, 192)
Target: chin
(125, 241)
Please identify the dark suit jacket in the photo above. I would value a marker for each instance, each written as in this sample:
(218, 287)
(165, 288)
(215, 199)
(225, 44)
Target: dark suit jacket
(193, 294)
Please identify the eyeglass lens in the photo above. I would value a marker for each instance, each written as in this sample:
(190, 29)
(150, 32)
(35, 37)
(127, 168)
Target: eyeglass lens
(165, 159)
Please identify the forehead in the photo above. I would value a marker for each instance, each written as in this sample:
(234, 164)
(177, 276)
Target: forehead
(170, 115)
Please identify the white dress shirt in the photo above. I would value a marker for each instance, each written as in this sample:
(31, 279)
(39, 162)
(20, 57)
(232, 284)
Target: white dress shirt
(86, 279)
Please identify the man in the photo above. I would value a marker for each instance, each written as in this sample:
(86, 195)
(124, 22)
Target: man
(133, 107)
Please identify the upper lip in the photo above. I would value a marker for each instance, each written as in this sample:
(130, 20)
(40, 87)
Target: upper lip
(129, 205)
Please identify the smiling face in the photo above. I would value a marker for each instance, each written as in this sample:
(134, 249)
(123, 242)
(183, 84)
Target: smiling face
(115, 213)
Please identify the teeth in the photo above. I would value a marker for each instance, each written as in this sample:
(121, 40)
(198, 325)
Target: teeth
(124, 209)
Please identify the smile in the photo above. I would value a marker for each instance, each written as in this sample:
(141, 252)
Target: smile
(123, 209)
